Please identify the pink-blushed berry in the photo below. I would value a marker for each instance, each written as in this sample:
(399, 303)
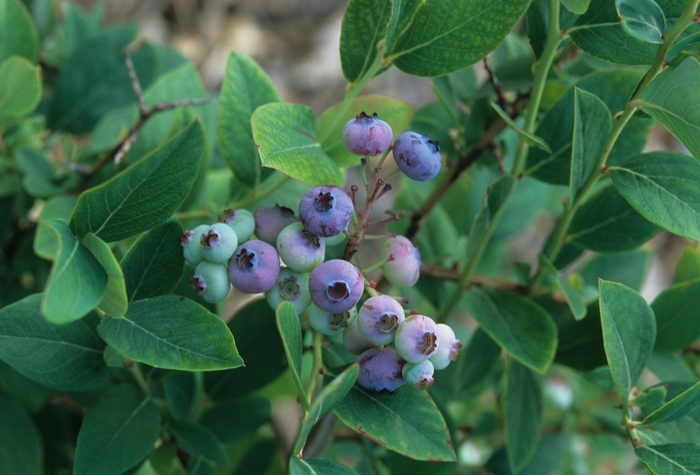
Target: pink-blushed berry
(416, 339)
(326, 210)
(210, 281)
(300, 249)
(367, 135)
(378, 319)
(354, 341)
(420, 375)
(218, 242)
(292, 287)
(448, 349)
(191, 248)
(254, 267)
(270, 221)
(336, 285)
(417, 156)
(329, 323)
(241, 221)
(380, 369)
(403, 261)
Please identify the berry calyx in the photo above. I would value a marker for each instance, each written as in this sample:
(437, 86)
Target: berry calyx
(329, 323)
(292, 287)
(416, 339)
(254, 267)
(326, 210)
(420, 375)
(336, 285)
(218, 242)
(378, 319)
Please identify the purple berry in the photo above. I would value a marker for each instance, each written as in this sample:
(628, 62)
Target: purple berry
(210, 281)
(367, 135)
(416, 339)
(292, 287)
(254, 267)
(448, 349)
(354, 341)
(329, 323)
(336, 285)
(190, 244)
(417, 156)
(270, 221)
(378, 319)
(218, 242)
(420, 375)
(380, 369)
(403, 269)
(326, 210)
(299, 248)
(241, 221)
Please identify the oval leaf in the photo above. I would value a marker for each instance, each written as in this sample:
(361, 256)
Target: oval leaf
(290, 331)
(642, 19)
(199, 441)
(677, 322)
(666, 459)
(18, 35)
(114, 302)
(522, 409)
(21, 451)
(20, 87)
(45, 240)
(238, 419)
(364, 25)
(677, 407)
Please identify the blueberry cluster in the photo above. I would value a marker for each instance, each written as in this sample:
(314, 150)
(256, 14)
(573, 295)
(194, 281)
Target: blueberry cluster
(275, 253)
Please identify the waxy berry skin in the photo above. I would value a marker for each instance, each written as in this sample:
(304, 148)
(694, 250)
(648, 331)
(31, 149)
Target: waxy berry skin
(380, 369)
(301, 250)
(326, 210)
(354, 341)
(403, 269)
(378, 319)
(448, 349)
(336, 286)
(367, 135)
(292, 287)
(190, 244)
(416, 339)
(270, 221)
(218, 242)
(210, 281)
(417, 156)
(329, 323)
(254, 267)
(241, 221)
(420, 375)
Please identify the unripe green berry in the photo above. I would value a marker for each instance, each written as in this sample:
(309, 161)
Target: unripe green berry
(218, 243)
(190, 244)
(210, 281)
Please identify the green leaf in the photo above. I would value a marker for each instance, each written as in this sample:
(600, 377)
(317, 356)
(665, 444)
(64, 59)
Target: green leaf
(65, 357)
(154, 264)
(39, 175)
(244, 89)
(117, 432)
(433, 37)
(671, 459)
(522, 408)
(629, 331)
(77, 281)
(662, 187)
(678, 407)
(21, 448)
(199, 441)
(671, 99)
(174, 333)
(677, 322)
(628, 268)
(529, 137)
(114, 302)
(181, 393)
(284, 134)
(397, 113)
(18, 35)
(573, 297)
(298, 466)
(607, 223)
(45, 240)
(407, 422)
(290, 331)
(364, 25)
(329, 467)
(688, 267)
(20, 87)
(258, 459)
(580, 341)
(578, 7)
(518, 324)
(237, 419)
(642, 19)
(146, 193)
(495, 198)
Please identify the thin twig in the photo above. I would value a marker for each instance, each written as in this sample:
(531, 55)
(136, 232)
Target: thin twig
(497, 86)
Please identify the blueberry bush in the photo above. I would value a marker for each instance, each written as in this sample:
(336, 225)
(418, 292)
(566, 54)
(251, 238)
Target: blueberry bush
(178, 265)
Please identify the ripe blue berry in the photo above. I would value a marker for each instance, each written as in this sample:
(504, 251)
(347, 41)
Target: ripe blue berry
(403, 269)
(299, 248)
(329, 323)
(190, 244)
(367, 135)
(326, 210)
(420, 375)
(292, 287)
(354, 341)
(241, 221)
(211, 281)
(378, 319)
(336, 285)
(380, 369)
(448, 349)
(218, 242)
(254, 267)
(270, 221)
(417, 156)
(416, 339)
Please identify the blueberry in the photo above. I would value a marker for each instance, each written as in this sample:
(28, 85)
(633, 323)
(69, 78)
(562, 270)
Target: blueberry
(190, 244)
(380, 369)
(270, 221)
(416, 339)
(403, 269)
(218, 242)
(367, 135)
(210, 280)
(299, 248)
(448, 349)
(354, 341)
(241, 221)
(417, 156)
(292, 287)
(420, 375)
(326, 210)
(329, 323)
(254, 267)
(336, 285)
(378, 319)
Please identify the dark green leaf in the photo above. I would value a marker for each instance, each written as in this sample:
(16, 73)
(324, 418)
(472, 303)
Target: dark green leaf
(117, 432)
(22, 390)
(670, 367)
(18, 35)
(174, 333)
(300, 467)
(77, 281)
(627, 268)
(20, 85)
(364, 25)
(678, 407)
(21, 449)
(671, 459)
(154, 264)
(538, 22)
(642, 19)
(39, 175)
(146, 193)
(629, 331)
(237, 419)
(522, 408)
(180, 392)
(496, 196)
(290, 332)
(114, 302)
(329, 467)
(676, 311)
(573, 298)
(688, 267)
(45, 240)
(580, 341)
(199, 441)
(578, 7)
(258, 459)
(529, 137)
